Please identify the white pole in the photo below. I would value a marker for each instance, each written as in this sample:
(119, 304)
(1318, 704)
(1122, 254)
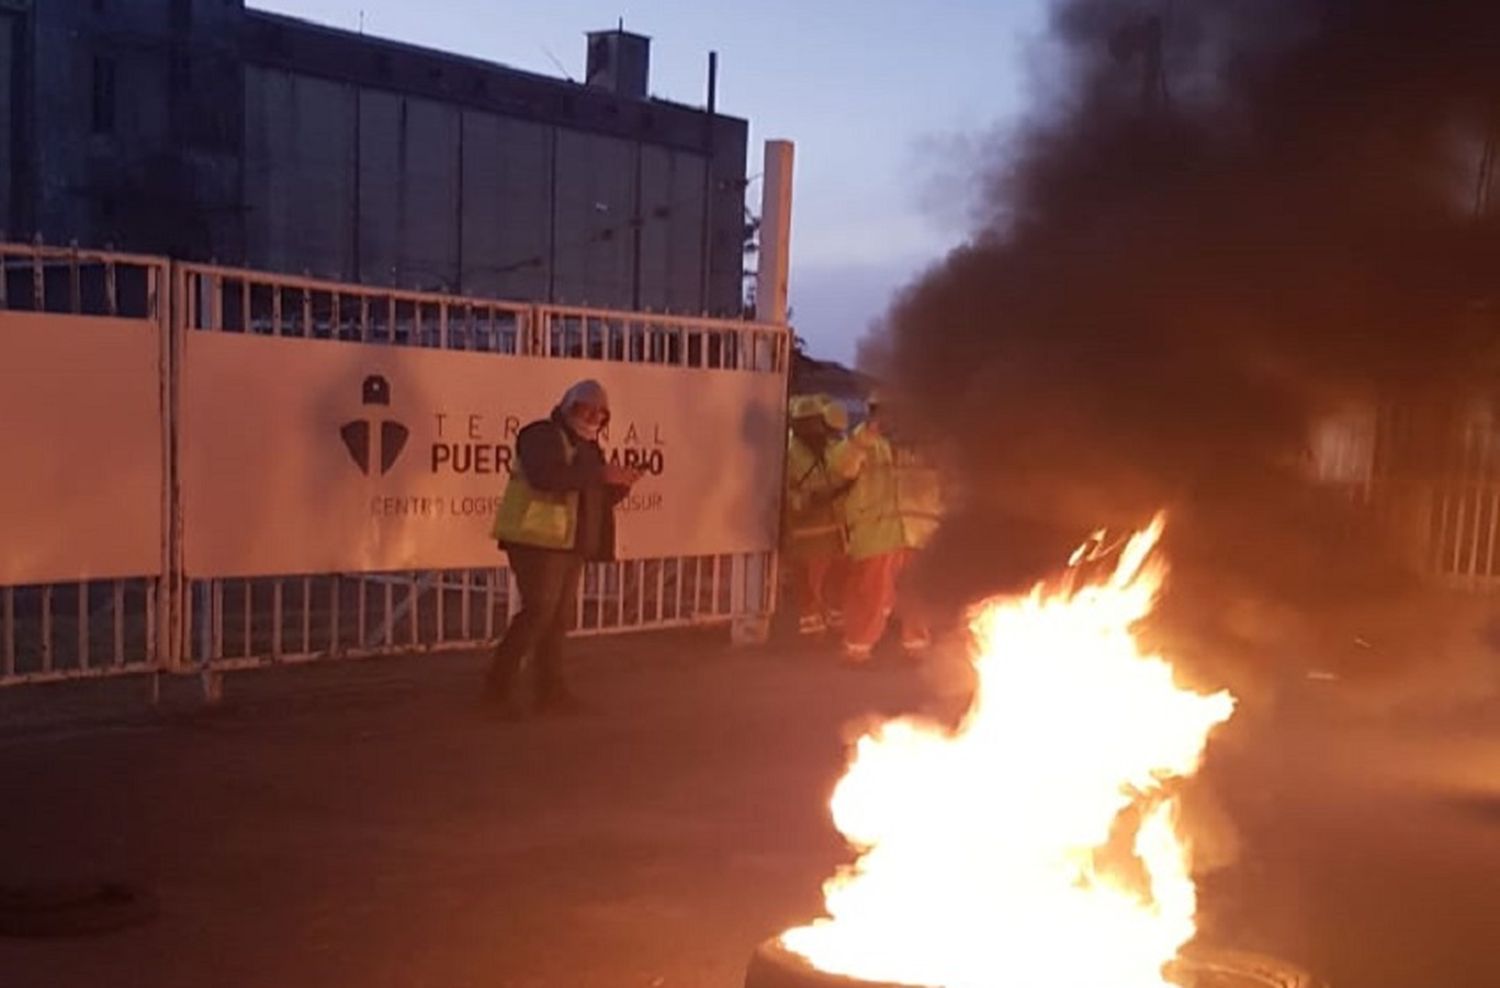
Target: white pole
(775, 234)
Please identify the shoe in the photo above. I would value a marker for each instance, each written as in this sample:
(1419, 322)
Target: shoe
(917, 648)
(857, 655)
(811, 624)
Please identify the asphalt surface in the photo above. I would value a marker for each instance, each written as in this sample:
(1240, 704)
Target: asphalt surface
(372, 826)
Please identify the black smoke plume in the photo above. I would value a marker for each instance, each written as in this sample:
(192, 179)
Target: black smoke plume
(1230, 217)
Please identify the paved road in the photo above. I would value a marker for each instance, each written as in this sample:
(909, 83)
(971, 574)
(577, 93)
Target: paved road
(370, 827)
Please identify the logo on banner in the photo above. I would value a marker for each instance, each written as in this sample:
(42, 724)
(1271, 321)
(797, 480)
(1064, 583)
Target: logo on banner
(360, 435)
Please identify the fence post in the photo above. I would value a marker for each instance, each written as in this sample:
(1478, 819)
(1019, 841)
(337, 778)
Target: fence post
(751, 620)
(166, 295)
(533, 339)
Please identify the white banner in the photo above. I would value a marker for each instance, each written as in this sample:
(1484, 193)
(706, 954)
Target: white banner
(308, 456)
(81, 445)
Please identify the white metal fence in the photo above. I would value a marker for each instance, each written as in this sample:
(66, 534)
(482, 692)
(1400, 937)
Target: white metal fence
(87, 628)
(1430, 473)
(245, 622)
(175, 621)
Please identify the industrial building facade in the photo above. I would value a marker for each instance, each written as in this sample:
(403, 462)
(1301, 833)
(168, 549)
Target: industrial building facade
(205, 131)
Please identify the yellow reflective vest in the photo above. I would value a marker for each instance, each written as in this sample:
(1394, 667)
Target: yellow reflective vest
(897, 498)
(813, 524)
(531, 517)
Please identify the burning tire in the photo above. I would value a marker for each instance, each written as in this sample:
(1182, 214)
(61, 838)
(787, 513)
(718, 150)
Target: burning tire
(773, 966)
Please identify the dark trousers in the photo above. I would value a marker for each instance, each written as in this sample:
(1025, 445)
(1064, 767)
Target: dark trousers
(548, 581)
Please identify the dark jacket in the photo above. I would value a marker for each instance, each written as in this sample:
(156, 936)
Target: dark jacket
(542, 448)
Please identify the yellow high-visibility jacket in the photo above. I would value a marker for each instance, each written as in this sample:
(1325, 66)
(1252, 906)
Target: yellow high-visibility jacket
(897, 498)
(814, 521)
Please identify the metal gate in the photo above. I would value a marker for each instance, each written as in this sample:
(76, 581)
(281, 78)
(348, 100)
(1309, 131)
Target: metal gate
(177, 621)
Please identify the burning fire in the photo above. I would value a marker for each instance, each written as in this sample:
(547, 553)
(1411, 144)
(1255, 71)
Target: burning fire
(1036, 844)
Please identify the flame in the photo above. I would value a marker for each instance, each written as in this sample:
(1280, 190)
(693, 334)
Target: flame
(1037, 843)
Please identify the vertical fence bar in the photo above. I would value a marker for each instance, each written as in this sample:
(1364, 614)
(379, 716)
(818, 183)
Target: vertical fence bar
(620, 568)
(248, 594)
(307, 615)
(661, 587)
(151, 617)
(739, 585)
(38, 283)
(75, 282)
(83, 624)
(335, 592)
(413, 595)
(189, 606)
(361, 607)
(640, 592)
(390, 617)
(117, 612)
(1437, 551)
(47, 628)
(278, 624)
(490, 575)
(1448, 532)
(215, 302)
(216, 645)
(1476, 528)
(578, 608)
(111, 291)
(465, 631)
(8, 630)
(441, 610)
(194, 611)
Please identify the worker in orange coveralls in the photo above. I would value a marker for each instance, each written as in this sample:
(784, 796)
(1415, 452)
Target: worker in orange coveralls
(813, 527)
(892, 510)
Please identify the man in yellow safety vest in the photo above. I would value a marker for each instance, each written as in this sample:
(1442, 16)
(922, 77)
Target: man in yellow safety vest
(813, 527)
(556, 514)
(893, 509)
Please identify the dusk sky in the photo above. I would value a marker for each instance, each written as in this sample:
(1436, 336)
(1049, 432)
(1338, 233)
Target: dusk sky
(887, 101)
